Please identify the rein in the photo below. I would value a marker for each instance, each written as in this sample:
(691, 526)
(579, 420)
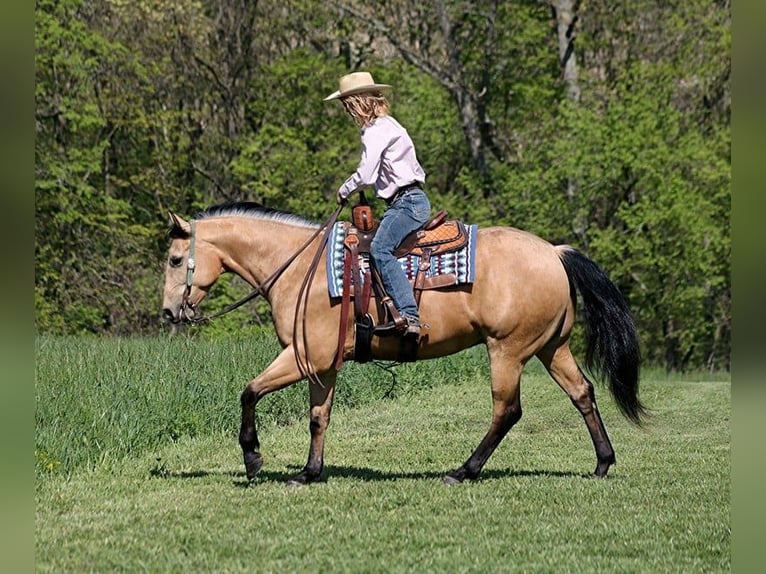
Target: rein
(261, 289)
(302, 300)
(301, 304)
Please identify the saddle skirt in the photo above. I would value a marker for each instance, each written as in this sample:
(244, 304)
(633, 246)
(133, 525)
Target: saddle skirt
(450, 264)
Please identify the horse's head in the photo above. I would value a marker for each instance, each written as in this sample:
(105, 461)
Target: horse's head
(192, 266)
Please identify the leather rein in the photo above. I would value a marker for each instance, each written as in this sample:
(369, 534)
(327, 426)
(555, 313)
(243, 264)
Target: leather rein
(261, 289)
(188, 309)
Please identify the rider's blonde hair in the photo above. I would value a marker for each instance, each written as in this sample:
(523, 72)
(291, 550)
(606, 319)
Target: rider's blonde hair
(365, 108)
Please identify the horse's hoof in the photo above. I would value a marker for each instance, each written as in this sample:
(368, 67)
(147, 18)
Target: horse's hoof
(602, 468)
(253, 463)
(301, 479)
(450, 480)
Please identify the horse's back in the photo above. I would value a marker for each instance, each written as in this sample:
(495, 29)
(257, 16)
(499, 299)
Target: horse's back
(507, 254)
(520, 295)
(522, 243)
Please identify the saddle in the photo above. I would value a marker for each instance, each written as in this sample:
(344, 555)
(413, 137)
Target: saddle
(361, 280)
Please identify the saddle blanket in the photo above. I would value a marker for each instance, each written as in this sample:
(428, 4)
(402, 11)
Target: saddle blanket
(461, 263)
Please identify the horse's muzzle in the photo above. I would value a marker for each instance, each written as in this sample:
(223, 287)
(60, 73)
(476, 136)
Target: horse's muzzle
(170, 317)
(186, 312)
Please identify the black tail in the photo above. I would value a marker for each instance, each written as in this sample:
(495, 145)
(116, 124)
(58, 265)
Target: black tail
(612, 349)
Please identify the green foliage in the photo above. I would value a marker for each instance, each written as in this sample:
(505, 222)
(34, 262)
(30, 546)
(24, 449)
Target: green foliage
(142, 108)
(646, 193)
(656, 203)
(102, 399)
(92, 231)
(294, 161)
(428, 114)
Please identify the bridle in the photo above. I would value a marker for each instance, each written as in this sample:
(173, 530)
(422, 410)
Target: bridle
(260, 290)
(189, 310)
(186, 304)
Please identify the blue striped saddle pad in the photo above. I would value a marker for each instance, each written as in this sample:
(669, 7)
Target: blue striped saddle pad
(461, 263)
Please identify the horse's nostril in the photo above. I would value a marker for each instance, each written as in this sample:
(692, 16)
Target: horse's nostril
(168, 314)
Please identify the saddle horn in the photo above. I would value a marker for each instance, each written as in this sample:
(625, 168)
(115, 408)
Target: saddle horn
(362, 215)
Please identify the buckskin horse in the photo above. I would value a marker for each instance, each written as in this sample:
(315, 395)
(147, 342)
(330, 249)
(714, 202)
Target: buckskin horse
(521, 304)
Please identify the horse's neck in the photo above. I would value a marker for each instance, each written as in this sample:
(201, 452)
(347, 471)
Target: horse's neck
(256, 249)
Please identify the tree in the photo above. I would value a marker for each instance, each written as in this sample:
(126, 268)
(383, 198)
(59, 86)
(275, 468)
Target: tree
(597, 124)
(81, 228)
(468, 48)
(565, 13)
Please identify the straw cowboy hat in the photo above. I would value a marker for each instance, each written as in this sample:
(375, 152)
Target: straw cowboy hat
(356, 83)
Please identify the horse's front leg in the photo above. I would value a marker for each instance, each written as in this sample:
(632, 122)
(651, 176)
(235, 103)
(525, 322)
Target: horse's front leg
(282, 372)
(321, 406)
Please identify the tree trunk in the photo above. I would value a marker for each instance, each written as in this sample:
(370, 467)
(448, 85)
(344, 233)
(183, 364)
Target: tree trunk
(565, 12)
(566, 18)
(466, 101)
(446, 68)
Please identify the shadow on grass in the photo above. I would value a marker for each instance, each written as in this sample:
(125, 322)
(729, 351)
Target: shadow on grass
(362, 474)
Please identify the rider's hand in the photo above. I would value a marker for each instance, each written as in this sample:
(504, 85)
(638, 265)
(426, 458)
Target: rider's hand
(340, 199)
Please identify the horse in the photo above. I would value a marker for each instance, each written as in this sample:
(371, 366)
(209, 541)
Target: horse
(520, 305)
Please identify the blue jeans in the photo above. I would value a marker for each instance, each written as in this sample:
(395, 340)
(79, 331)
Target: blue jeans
(406, 214)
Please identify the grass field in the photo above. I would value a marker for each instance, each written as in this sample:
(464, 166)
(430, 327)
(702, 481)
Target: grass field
(138, 469)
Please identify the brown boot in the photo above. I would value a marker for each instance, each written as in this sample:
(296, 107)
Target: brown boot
(413, 327)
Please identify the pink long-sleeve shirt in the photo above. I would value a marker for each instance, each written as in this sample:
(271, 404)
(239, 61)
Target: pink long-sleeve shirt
(388, 160)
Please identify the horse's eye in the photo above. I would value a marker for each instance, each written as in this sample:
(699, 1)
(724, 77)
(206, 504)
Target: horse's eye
(176, 260)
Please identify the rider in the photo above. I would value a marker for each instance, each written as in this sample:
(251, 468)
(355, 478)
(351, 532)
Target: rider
(390, 165)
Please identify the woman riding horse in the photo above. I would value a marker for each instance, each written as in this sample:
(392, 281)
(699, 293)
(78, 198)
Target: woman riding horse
(521, 305)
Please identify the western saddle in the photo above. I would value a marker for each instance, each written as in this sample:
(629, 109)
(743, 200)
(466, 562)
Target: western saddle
(361, 280)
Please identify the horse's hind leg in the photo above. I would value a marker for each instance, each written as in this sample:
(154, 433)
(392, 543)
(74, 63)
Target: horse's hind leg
(565, 371)
(321, 406)
(505, 369)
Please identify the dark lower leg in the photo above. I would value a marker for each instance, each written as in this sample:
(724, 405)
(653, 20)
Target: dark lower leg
(321, 406)
(506, 408)
(497, 431)
(248, 436)
(563, 368)
(282, 372)
(604, 452)
(312, 472)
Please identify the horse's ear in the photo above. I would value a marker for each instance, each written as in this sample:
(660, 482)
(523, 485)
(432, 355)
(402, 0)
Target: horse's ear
(179, 229)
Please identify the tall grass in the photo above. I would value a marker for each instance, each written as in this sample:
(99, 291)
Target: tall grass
(100, 400)
(147, 482)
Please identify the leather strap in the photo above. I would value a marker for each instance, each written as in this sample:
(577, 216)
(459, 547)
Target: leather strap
(366, 292)
(420, 278)
(403, 191)
(353, 247)
(345, 304)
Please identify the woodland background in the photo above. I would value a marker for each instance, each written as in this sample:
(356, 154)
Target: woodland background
(601, 124)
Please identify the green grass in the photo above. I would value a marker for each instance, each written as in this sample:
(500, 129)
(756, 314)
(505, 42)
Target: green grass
(99, 400)
(178, 501)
